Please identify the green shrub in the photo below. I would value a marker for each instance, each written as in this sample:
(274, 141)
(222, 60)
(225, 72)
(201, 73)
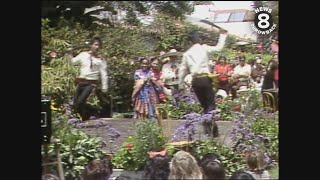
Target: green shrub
(227, 107)
(269, 128)
(133, 153)
(232, 161)
(77, 148)
(231, 54)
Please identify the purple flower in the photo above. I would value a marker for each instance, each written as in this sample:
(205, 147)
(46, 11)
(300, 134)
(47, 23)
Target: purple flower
(80, 125)
(206, 118)
(98, 124)
(267, 159)
(174, 138)
(73, 121)
(112, 132)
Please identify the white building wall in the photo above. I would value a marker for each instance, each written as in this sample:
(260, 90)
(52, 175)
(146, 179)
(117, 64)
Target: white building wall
(202, 11)
(241, 29)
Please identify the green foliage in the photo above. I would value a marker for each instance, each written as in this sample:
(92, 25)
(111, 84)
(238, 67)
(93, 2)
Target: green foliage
(133, 153)
(168, 110)
(177, 112)
(123, 42)
(58, 80)
(56, 9)
(174, 9)
(231, 54)
(122, 46)
(209, 37)
(170, 32)
(189, 107)
(230, 41)
(131, 18)
(149, 138)
(125, 156)
(250, 100)
(269, 128)
(77, 149)
(232, 161)
(227, 107)
(274, 173)
(58, 75)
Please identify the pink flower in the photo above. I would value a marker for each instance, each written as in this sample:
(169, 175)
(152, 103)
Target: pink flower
(152, 154)
(52, 54)
(130, 146)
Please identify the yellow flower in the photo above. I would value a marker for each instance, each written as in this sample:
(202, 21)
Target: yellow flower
(53, 106)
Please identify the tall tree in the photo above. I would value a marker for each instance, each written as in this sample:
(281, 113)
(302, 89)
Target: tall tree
(75, 9)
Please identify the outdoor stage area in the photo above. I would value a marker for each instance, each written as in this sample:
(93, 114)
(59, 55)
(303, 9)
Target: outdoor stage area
(126, 127)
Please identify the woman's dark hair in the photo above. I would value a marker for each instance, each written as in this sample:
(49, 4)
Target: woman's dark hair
(222, 57)
(213, 170)
(98, 168)
(143, 58)
(158, 167)
(194, 37)
(212, 167)
(209, 156)
(273, 67)
(242, 57)
(153, 59)
(241, 175)
(95, 39)
(252, 61)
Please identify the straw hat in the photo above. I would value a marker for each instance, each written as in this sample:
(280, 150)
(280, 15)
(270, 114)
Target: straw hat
(172, 52)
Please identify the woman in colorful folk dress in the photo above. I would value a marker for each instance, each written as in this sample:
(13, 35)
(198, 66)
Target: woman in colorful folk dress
(144, 95)
(155, 64)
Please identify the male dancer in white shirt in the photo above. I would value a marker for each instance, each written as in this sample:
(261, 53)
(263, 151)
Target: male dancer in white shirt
(92, 65)
(195, 61)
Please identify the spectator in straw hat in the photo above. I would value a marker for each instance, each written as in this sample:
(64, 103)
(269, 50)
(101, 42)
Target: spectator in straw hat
(170, 70)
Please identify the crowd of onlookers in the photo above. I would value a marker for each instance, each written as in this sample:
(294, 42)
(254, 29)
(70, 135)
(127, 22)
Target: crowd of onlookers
(181, 166)
(239, 74)
(157, 79)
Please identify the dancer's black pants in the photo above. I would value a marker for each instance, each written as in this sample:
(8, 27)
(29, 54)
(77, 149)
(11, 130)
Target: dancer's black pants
(203, 89)
(83, 91)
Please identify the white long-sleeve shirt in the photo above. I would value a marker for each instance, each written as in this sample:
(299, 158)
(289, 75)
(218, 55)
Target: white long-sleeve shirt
(91, 70)
(196, 59)
(242, 70)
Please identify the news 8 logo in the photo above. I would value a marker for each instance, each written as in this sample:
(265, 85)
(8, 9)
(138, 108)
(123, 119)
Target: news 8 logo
(263, 22)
